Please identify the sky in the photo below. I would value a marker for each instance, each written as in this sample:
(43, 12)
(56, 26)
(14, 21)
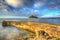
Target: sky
(26, 8)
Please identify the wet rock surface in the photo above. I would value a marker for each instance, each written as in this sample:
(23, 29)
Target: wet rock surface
(13, 33)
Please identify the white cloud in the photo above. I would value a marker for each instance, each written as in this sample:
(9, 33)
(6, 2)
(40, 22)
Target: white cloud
(38, 4)
(14, 3)
(3, 8)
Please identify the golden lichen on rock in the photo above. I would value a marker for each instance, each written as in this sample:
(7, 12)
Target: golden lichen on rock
(48, 31)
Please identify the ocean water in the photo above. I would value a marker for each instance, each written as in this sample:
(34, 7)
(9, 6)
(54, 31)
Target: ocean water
(11, 33)
(44, 20)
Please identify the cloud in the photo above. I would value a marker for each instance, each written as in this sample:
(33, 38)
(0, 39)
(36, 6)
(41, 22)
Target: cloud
(14, 3)
(15, 7)
(3, 7)
(38, 4)
(19, 3)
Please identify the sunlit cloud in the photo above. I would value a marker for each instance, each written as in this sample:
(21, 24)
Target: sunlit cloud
(14, 3)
